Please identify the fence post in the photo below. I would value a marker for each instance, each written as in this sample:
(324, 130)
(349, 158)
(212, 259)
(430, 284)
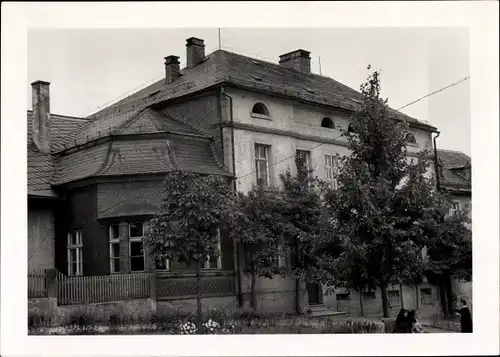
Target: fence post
(152, 289)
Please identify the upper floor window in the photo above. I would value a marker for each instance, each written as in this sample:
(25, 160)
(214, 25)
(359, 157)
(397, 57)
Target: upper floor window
(394, 298)
(75, 248)
(331, 169)
(426, 296)
(260, 109)
(410, 138)
(136, 248)
(305, 156)
(327, 123)
(114, 248)
(262, 163)
(455, 209)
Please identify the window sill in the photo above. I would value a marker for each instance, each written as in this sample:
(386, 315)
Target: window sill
(260, 116)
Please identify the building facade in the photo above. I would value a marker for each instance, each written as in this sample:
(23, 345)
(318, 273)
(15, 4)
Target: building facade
(97, 180)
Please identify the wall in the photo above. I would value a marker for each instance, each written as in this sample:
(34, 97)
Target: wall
(189, 305)
(292, 118)
(41, 236)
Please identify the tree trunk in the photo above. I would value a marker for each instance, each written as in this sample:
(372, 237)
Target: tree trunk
(401, 300)
(297, 295)
(449, 294)
(361, 302)
(416, 296)
(254, 293)
(385, 302)
(442, 295)
(198, 295)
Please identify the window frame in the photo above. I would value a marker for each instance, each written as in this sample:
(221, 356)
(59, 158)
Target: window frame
(259, 115)
(219, 256)
(333, 169)
(369, 295)
(257, 159)
(113, 241)
(423, 297)
(308, 161)
(78, 247)
(136, 240)
(330, 120)
(391, 298)
(454, 211)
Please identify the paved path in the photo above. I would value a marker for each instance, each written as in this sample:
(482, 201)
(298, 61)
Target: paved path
(429, 329)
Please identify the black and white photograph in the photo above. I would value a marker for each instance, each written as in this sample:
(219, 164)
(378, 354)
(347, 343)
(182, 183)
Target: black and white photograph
(252, 180)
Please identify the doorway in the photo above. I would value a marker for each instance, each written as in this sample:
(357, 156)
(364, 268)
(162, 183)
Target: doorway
(314, 293)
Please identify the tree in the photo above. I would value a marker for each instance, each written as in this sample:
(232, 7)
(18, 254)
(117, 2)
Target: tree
(381, 198)
(258, 229)
(449, 251)
(194, 208)
(304, 223)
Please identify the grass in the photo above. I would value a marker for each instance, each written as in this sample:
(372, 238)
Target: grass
(88, 320)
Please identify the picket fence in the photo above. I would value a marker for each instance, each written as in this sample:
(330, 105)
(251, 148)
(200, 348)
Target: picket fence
(90, 289)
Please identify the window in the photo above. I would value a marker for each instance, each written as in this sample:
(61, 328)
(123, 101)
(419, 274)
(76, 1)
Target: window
(327, 123)
(350, 129)
(394, 299)
(410, 138)
(426, 296)
(368, 295)
(331, 167)
(260, 109)
(162, 264)
(215, 262)
(136, 249)
(306, 157)
(262, 164)
(342, 297)
(75, 260)
(455, 209)
(114, 248)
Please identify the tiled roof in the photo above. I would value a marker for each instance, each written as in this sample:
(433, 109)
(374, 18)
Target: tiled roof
(227, 67)
(451, 164)
(40, 166)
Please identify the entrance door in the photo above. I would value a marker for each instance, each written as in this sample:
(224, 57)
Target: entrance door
(313, 293)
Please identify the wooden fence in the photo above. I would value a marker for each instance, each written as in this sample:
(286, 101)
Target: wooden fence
(90, 289)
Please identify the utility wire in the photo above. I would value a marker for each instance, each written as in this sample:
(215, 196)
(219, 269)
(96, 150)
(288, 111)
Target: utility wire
(439, 90)
(316, 146)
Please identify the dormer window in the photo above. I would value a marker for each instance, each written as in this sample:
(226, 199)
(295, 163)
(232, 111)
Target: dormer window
(327, 123)
(410, 138)
(259, 110)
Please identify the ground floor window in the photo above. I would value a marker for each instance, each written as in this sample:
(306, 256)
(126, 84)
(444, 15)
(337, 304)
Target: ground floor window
(369, 295)
(114, 248)
(75, 256)
(162, 264)
(426, 296)
(215, 262)
(342, 297)
(136, 247)
(394, 298)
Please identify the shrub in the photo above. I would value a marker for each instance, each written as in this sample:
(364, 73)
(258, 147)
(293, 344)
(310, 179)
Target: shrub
(38, 317)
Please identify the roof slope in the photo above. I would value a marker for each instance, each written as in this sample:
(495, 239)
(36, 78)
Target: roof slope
(455, 170)
(40, 166)
(227, 67)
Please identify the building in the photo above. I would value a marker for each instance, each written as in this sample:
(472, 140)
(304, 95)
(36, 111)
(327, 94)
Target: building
(96, 181)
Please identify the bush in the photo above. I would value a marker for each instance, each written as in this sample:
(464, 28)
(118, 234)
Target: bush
(38, 317)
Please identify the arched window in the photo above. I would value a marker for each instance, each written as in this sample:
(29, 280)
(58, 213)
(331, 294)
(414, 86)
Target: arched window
(260, 109)
(350, 129)
(327, 123)
(410, 138)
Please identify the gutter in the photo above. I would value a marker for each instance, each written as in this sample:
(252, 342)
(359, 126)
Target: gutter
(436, 162)
(235, 245)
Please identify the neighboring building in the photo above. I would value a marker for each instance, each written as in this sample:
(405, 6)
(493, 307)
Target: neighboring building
(224, 114)
(455, 179)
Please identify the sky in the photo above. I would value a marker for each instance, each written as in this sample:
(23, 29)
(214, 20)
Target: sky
(88, 68)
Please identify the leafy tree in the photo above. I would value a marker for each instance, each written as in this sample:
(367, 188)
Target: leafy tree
(305, 224)
(258, 229)
(381, 197)
(449, 251)
(193, 208)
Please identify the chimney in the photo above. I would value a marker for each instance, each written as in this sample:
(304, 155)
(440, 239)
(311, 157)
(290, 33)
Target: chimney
(172, 69)
(195, 51)
(298, 60)
(41, 115)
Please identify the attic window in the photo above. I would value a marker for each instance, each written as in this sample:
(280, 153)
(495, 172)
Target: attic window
(410, 138)
(257, 78)
(327, 123)
(260, 110)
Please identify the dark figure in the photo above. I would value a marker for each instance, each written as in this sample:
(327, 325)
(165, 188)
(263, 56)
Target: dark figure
(415, 324)
(403, 322)
(465, 317)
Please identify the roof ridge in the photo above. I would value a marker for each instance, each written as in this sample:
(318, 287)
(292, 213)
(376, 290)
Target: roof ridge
(71, 117)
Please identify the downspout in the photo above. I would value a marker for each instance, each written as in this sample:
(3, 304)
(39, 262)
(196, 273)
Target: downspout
(436, 162)
(236, 247)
